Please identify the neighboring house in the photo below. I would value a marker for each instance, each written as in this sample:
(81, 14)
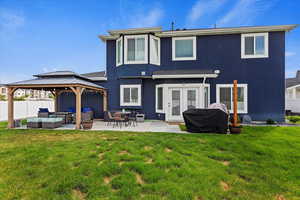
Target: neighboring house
(292, 93)
(163, 73)
(28, 93)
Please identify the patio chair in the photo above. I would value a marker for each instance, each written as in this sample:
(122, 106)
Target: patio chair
(118, 120)
(132, 118)
(108, 118)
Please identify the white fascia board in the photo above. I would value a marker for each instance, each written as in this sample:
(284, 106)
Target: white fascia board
(185, 76)
(221, 31)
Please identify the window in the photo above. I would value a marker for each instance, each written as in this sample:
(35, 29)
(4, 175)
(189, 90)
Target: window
(159, 99)
(3, 91)
(154, 50)
(255, 45)
(119, 51)
(136, 49)
(184, 48)
(130, 95)
(225, 96)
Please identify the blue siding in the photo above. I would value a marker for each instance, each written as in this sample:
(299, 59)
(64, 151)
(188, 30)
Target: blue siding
(264, 76)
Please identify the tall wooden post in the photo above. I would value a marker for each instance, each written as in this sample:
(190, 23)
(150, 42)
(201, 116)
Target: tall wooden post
(10, 104)
(104, 100)
(235, 100)
(78, 107)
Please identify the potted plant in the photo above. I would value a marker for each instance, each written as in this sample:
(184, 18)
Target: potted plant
(87, 124)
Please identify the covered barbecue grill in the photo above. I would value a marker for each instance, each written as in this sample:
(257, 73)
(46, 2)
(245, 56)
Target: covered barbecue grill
(206, 120)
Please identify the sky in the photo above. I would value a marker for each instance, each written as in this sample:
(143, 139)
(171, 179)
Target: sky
(39, 36)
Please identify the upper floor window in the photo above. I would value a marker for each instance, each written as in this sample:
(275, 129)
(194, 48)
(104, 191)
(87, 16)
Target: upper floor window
(255, 45)
(154, 50)
(184, 48)
(119, 51)
(136, 49)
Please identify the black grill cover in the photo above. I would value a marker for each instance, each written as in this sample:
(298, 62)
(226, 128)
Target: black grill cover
(206, 120)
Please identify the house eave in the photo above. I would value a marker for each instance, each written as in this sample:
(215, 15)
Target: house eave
(135, 30)
(173, 76)
(223, 31)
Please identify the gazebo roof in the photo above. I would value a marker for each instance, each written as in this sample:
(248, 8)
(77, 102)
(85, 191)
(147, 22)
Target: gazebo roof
(56, 80)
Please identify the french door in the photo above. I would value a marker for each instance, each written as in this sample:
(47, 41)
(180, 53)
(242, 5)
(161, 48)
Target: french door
(180, 100)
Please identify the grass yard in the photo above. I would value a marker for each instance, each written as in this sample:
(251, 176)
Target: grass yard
(262, 163)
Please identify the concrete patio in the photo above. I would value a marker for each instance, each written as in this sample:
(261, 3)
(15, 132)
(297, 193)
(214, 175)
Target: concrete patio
(147, 126)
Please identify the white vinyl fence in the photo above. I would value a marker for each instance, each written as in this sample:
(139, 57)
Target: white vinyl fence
(24, 109)
(292, 104)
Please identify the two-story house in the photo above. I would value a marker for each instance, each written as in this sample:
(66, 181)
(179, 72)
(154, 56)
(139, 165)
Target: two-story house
(163, 73)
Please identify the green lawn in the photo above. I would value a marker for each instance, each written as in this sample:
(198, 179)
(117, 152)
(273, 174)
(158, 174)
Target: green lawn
(262, 163)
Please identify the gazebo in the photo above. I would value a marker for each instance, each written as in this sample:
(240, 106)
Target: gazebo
(57, 83)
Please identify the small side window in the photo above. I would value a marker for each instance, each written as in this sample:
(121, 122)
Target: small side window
(119, 51)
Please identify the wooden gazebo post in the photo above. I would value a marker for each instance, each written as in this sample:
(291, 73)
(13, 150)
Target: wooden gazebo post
(104, 100)
(10, 104)
(235, 100)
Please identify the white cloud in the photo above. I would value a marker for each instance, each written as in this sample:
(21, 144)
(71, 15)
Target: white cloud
(10, 22)
(152, 18)
(244, 12)
(202, 8)
(289, 53)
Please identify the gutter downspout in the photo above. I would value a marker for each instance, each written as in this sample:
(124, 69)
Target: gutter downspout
(203, 90)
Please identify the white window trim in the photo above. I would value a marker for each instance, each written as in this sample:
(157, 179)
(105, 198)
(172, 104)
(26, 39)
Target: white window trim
(156, 98)
(194, 57)
(145, 61)
(122, 103)
(265, 55)
(152, 61)
(121, 51)
(245, 86)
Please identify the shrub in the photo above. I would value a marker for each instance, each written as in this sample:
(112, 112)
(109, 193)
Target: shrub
(270, 121)
(294, 119)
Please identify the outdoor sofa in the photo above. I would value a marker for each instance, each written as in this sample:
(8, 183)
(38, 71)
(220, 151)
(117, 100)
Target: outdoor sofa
(47, 123)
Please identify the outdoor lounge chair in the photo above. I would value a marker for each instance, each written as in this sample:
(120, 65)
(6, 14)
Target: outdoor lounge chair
(44, 113)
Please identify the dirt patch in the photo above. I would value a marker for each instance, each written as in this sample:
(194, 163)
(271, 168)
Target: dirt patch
(97, 146)
(149, 161)
(139, 179)
(168, 150)
(77, 194)
(100, 155)
(225, 186)
(123, 152)
(198, 198)
(280, 197)
(225, 162)
(106, 180)
(147, 148)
